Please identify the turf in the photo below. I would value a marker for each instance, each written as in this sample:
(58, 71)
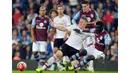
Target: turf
(63, 72)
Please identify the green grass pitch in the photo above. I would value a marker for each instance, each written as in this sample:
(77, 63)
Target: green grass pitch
(15, 71)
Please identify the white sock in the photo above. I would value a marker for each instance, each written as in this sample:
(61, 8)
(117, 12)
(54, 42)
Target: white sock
(44, 67)
(91, 65)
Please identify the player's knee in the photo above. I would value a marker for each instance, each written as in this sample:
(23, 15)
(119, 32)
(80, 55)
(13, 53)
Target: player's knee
(82, 52)
(59, 54)
(102, 55)
(55, 49)
(90, 57)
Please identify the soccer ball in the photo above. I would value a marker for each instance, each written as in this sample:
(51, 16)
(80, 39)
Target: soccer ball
(21, 66)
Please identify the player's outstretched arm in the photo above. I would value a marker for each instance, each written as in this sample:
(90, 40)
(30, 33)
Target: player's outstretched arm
(61, 27)
(85, 30)
(32, 30)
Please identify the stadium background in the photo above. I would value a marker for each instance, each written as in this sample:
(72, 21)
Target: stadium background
(23, 12)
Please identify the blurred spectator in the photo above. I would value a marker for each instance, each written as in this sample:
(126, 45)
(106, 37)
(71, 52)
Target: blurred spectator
(16, 51)
(28, 52)
(25, 38)
(101, 7)
(54, 4)
(28, 27)
(17, 56)
(31, 5)
(92, 6)
(15, 36)
(78, 7)
(18, 4)
(100, 14)
(73, 4)
(25, 49)
(108, 55)
(53, 13)
(108, 20)
(31, 15)
(68, 11)
(114, 51)
(115, 24)
(16, 16)
(22, 20)
(112, 33)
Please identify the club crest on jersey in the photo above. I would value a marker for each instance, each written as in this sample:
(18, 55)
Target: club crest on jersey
(45, 21)
(92, 15)
(41, 24)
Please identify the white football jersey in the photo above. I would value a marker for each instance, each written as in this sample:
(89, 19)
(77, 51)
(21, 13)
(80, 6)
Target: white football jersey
(65, 21)
(75, 40)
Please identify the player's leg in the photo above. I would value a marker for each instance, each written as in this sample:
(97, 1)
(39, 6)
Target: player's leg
(89, 66)
(99, 55)
(57, 44)
(57, 62)
(35, 49)
(84, 61)
(75, 62)
(54, 58)
(51, 61)
(76, 56)
(43, 50)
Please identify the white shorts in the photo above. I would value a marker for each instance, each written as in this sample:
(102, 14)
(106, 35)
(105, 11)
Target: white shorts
(39, 46)
(93, 51)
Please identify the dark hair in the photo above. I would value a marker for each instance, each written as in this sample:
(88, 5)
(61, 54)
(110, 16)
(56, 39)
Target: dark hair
(53, 10)
(59, 6)
(100, 23)
(42, 6)
(84, 18)
(85, 2)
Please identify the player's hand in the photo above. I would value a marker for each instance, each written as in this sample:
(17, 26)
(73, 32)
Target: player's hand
(33, 39)
(77, 30)
(65, 38)
(52, 23)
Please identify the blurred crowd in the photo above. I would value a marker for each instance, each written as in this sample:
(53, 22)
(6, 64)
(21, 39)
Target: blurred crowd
(23, 11)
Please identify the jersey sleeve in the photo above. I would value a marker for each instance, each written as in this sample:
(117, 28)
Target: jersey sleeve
(34, 21)
(75, 18)
(107, 39)
(71, 27)
(96, 15)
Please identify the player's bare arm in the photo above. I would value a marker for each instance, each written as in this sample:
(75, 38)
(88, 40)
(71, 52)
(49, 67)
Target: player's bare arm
(32, 34)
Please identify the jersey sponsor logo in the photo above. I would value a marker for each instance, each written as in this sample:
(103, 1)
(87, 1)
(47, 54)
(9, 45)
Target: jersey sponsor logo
(38, 21)
(41, 24)
(38, 27)
(83, 15)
